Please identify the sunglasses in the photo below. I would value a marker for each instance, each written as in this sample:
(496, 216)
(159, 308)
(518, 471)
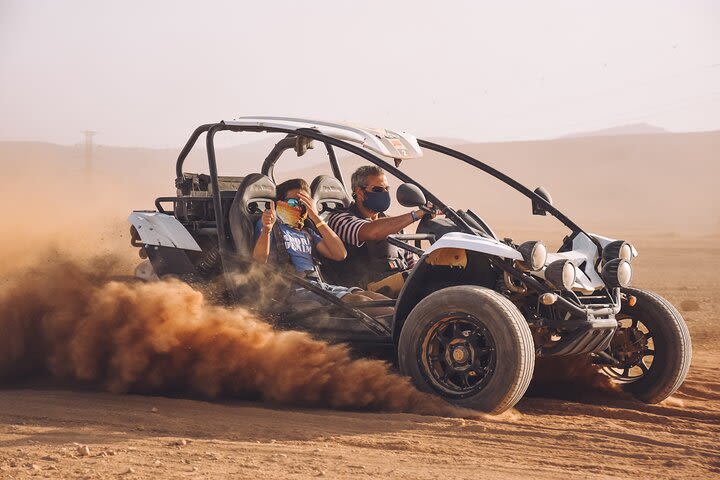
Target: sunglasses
(294, 202)
(377, 189)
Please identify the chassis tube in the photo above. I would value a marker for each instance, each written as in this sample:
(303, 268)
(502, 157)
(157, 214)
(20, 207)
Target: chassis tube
(351, 308)
(540, 288)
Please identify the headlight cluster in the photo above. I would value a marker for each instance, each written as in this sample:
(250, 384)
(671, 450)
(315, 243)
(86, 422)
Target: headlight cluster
(561, 273)
(618, 249)
(617, 273)
(534, 255)
(616, 270)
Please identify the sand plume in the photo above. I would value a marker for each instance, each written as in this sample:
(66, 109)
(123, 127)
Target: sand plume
(571, 378)
(70, 320)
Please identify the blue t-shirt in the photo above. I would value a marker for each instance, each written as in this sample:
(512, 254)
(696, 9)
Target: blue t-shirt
(298, 243)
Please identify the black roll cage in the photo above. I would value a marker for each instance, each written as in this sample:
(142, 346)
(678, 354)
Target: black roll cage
(212, 128)
(268, 164)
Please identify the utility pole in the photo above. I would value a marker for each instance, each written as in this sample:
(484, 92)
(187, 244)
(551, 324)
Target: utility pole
(88, 150)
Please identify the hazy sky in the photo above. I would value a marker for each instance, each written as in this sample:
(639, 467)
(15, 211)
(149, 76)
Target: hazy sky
(145, 73)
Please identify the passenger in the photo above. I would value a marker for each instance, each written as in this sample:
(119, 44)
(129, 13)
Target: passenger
(363, 228)
(302, 244)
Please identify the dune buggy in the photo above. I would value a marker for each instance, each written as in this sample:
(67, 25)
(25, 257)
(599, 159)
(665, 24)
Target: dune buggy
(474, 312)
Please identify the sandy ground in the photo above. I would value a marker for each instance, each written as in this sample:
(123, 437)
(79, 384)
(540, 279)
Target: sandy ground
(44, 429)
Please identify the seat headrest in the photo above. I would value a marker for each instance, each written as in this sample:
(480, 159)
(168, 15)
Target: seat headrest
(254, 193)
(329, 193)
(252, 197)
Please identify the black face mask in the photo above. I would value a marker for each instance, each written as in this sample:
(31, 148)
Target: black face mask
(377, 201)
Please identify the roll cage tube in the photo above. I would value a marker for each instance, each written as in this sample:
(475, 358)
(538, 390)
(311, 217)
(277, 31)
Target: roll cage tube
(315, 135)
(449, 212)
(334, 163)
(268, 166)
(188, 147)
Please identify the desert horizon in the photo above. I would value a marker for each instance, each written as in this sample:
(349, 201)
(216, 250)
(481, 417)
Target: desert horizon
(592, 178)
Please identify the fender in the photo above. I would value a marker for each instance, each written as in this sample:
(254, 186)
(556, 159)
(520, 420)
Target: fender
(412, 291)
(474, 243)
(162, 230)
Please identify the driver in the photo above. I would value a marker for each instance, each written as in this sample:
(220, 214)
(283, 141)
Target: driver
(364, 228)
(301, 245)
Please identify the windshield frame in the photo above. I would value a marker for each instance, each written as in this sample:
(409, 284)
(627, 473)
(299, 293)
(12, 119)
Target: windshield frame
(514, 184)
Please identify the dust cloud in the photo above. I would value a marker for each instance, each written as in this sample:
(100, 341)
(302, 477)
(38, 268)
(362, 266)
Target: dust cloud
(571, 378)
(68, 319)
(63, 315)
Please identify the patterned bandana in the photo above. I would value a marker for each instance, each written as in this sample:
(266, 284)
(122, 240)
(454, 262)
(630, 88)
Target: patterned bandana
(292, 216)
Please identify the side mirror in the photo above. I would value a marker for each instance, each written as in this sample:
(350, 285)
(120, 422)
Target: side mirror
(537, 207)
(302, 145)
(409, 195)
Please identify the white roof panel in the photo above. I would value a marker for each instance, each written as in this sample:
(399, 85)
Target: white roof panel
(378, 140)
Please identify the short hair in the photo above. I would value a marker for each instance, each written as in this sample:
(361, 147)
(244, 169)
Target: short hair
(292, 184)
(360, 176)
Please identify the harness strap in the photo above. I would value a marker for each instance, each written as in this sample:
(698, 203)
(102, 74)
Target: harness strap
(283, 257)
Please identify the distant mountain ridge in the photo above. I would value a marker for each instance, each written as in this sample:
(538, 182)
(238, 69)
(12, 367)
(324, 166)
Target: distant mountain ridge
(608, 183)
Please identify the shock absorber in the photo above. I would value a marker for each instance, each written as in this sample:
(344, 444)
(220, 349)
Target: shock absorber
(209, 263)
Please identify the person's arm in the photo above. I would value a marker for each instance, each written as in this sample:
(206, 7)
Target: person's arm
(331, 246)
(262, 245)
(382, 227)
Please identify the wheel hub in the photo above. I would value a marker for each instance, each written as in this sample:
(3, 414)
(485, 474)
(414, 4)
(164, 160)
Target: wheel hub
(627, 345)
(631, 346)
(459, 354)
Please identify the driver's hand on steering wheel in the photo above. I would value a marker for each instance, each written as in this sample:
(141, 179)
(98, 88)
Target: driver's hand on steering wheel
(428, 210)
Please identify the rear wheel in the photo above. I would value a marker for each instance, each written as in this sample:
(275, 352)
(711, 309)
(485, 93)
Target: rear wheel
(469, 345)
(652, 345)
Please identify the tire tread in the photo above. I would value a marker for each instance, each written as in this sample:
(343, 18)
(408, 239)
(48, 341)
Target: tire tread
(518, 326)
(684, 344)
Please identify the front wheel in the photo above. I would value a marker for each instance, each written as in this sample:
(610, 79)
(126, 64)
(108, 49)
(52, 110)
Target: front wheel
(469, 345)
(652, 346)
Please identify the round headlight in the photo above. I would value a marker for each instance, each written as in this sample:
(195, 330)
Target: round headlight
(617, 249)
(561, 273)
(617, 273)
(625, 252)
(534, 254)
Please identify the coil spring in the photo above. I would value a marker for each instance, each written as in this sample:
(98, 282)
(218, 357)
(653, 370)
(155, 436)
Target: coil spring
(209, 263)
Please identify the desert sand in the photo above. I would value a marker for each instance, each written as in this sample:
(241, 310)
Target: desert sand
(75, 422)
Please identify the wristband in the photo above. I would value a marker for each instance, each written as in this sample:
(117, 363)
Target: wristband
(320, 224)
(414, 216)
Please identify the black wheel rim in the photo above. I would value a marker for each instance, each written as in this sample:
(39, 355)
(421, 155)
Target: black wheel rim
(457, 355)
(633, 347)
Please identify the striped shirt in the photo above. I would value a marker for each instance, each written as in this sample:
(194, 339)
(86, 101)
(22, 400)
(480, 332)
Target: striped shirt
(347, 226)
